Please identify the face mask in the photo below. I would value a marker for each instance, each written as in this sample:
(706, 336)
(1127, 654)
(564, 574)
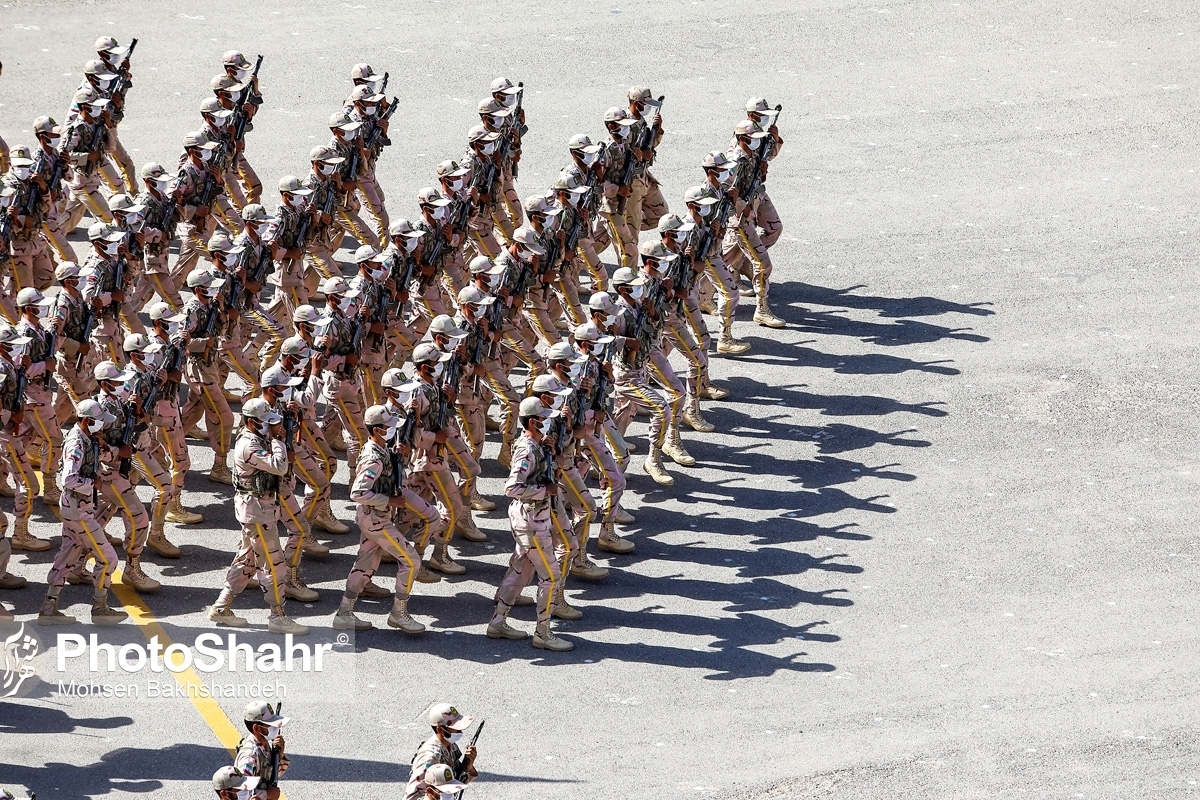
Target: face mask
(437, 213)
(559, 401)
(94, 425)
(162, 185)
(41, 311)
(369, 111)
(152, 360)
(378, 274)
(54, 142)
(324, 168)
(206, 156)
(438, 369)
(620, 133)
(105, 84)
(705, 210)
(134, 222)
(295, 201)
(287, 395)
(456, 184)
(508, 100)
(488, 148)
(389, 433)
(639, 291)
(345, 305)
(111, 248)
(218, 122)
(723, 176)
(598, 350)
(17, 351)
(590, 158)
(546, 425)
(230, 259)
(172, 328)
(350, 136)
(455, 737)
(122, 392)
(410, 243)
(211, 291)
(575, 370)
(241, 74)
(610, 320)
(22, 173)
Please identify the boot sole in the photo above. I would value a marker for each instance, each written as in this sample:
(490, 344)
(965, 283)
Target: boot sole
(343, 626)
(509, 637)
(619, 552)
(314, 597)
(108, 620)
(404, 629)
(293, 631)
(540, 645)
(51, 621)
(163, 553)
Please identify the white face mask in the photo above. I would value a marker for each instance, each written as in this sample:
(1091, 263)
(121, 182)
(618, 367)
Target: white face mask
(41, 311)
(18, 350)
(590, 158)
(241, 74)
(378, 274)
(598, 350)
(369, 111)
(610, 320)
(508, 100)
(295, 201)
(104, 84)
(22, 173)
(559, 401)
(437, 213)
(122, 392)
(172, 328)
(345, 305)
(409, 243)
(324, 168)
(94, 425)
(438, 369)
(621, 133)
(455, 737)
(54, 142)
(638, 291)
(111, 248)
(575, 370)
(389, 433)
(723, 176)
(287, 395)
(152, 360)
(705, 210)
(456, 184)
(350, 136)
(134, 222)
(488, 148)
(206, 156)
(211, 291)
(546, 425)
(218, 122)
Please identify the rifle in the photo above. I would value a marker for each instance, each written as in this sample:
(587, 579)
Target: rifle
(290, 426)
(210, 322)
(18, 401)
(95, 468)
(275, 754)
(371, 140)
(118, 277)
(6, 230)
(754, 179)
(383, 85)
(240, 117)
(444, 406)
(32, 200)
(402, 281)
(89, 321)
(460, 770)
(517, 127)
(127, 439)
(644, 142)
(122, 84)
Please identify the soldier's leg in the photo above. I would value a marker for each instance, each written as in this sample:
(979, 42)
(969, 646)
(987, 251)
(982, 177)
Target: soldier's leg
(193, 243)
(228, 217)
(118, 155)
(768, 221)
(654, 205)
(372, 200)
(233, 190)
(268, 559)
(250, 180)
(27, 487)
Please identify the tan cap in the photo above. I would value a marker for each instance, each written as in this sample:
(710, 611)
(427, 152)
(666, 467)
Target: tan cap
(581, 141)
(275, 376)
(294, 346)
(504, 85)
(99, 69)
(86, 95)
(66, 270)
(153, 170)
(601, 301)
(699, 195)
(107, 44)
(305, 313)
(653, 249)
(618, 115)
(162, 310)
(402, 227)
(528, 237)
(212, 106)
(394, 378)
(324, 152)
(588, 332)
(671, 223)
(568, 181)
(233, 58)
(536, 204)
(484, 264)
(749, 128)
(379, 417)
(292, 185)
(532, 407)
(139, 343)
(335, 284)
(426, 352)
(638, 93)
(479, 133)
(548, 384)
(196, 139)
(220, 242)
(125, 204)
(365, 253)
(257, 408)
(109, 371)
(223, 82)
(473, 295)
(443, 325)
(492, 108)
(430, 196)
(714, 159)
(90, 409)
(363, 72)
(46, 125)
(230, 778)
(201, 277)
(449, 167)
(562, 351)
(626, 277)
(253, 212)
(442, 777)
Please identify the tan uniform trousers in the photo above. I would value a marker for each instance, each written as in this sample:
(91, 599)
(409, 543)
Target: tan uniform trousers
(258, 556)
(82, 538)
(379, 535)
(117, 496)
(206, 398)
(534, 554)
(633, 392)
(646, 204)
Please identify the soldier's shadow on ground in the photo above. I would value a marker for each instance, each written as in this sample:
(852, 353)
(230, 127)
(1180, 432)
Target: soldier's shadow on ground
(144, 771)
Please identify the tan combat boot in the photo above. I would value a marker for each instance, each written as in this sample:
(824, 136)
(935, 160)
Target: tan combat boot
(51, 496)
(544, 639)
(710, 392)
(441, 561)
(50, 615)
(346, 620)
(22, 539)
(294, 588)
(609, 541)
(560, 608)
(312, 547)
(220, 472)
(696, 420)
(498, 627)
(326, 521)
(135, 577)
(7, 579)
(400, 618)
(505, 454)
(338, 442)
(729, 346)
(425, 575)
(673, 449)
(157, 540)
(6, 488)
(623, 517)
(469, 530)
(103, 615)
(179, 515)
(280, 622)
(481, 503)
(585, 568)
(763, 315)
(221, 613)
(373, 589)
(653, 467)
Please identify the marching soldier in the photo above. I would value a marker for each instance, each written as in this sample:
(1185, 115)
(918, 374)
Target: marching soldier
(86, 143)
(161, 215)
(708, 206)
(622, 235)
(116, 61)
(72, 319)
(441, 750)
(341, 388)
(256, 753)
(766, 217)
(128, 219)
(31, 265)
(46, 435)
(229, 784)
(347, 143)
(646, 202)
(83, 536)
(116, 397)
(50, 168)
(532, 491)
(196, 189)
(203, 319)
(166, 331)
(742, 243)
(377, 488)
(15, 363)
(582, 189)
(294, 218)
(368, 107)
(278, 391)
(244, 90)
(260, 459)
(150, 381)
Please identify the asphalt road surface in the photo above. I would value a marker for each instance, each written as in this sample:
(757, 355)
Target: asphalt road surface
(943, 542)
